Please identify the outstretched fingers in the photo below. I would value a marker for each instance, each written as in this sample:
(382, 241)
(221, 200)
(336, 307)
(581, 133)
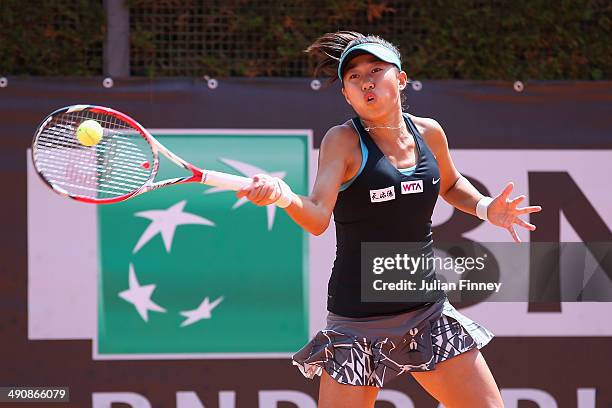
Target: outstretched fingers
(524, 224)
(507, 190)
(515, 236)
(515, 201)
(528, 210)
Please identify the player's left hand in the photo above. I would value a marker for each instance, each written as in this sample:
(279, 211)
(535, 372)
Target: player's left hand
(504, 212)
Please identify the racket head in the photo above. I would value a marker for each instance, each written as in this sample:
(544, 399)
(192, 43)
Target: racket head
(123, 163)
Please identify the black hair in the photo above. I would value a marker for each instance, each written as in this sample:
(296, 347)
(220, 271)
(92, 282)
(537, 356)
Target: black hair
(328, 48)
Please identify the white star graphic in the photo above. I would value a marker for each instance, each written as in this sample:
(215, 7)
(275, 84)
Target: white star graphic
(140, 296)
(166, 221)
(202, 312)
(249, 170)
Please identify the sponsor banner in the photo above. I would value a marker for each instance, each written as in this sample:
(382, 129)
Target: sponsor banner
(555, 356)
(586, 198)
(189, 270)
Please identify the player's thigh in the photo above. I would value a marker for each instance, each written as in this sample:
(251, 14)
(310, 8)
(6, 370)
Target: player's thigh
(332, 394)
(462, 381)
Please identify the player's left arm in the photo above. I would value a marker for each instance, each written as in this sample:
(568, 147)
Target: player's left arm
(456, 190)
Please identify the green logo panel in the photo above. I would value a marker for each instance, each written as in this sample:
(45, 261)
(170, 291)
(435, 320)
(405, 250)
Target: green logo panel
(189, 269)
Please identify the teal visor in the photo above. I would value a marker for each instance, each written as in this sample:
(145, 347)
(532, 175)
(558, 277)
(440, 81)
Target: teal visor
(378, 50)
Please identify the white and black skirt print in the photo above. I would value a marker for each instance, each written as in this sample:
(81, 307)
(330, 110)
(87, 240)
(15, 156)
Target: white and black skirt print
(374, 350)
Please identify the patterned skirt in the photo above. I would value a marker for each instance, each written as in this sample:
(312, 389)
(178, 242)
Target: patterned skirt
(374, 350)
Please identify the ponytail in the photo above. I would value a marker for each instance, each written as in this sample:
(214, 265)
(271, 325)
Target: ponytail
(328, 49)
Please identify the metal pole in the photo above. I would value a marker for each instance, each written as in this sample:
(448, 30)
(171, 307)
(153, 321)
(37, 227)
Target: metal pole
(117, 41)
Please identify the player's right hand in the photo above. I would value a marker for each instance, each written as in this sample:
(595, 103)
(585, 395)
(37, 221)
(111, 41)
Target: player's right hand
(264, 190)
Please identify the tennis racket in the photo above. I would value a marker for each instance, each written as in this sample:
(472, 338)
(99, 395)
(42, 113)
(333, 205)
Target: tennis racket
(122, 165)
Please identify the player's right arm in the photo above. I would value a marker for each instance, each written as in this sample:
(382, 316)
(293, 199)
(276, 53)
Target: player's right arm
(313, 212)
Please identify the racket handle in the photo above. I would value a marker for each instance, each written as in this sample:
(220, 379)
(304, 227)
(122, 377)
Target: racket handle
(231, 182)
(224, 180)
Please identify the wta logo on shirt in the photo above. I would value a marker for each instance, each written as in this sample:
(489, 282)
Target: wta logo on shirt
(412, 187)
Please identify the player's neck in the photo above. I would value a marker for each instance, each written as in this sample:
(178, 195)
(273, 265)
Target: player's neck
(388, 129)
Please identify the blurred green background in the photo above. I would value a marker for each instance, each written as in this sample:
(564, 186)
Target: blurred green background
(439, 39)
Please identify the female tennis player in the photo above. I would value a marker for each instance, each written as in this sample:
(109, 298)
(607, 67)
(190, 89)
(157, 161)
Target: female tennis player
(362, 166)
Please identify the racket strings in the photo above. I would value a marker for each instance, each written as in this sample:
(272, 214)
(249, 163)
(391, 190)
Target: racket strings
(119, 164)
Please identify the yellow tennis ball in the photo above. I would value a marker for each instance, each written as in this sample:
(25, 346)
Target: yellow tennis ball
(89, 132)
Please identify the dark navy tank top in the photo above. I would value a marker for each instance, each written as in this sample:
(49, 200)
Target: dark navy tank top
(373, 208)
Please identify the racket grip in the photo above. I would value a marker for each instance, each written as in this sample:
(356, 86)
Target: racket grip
(224, 180)
(235, 183)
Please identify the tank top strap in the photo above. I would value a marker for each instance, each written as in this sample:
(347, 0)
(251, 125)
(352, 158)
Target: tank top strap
(365, 137)
(413, 129)
(422, 146)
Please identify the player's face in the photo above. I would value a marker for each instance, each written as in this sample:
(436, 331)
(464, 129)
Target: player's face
(372, 87)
